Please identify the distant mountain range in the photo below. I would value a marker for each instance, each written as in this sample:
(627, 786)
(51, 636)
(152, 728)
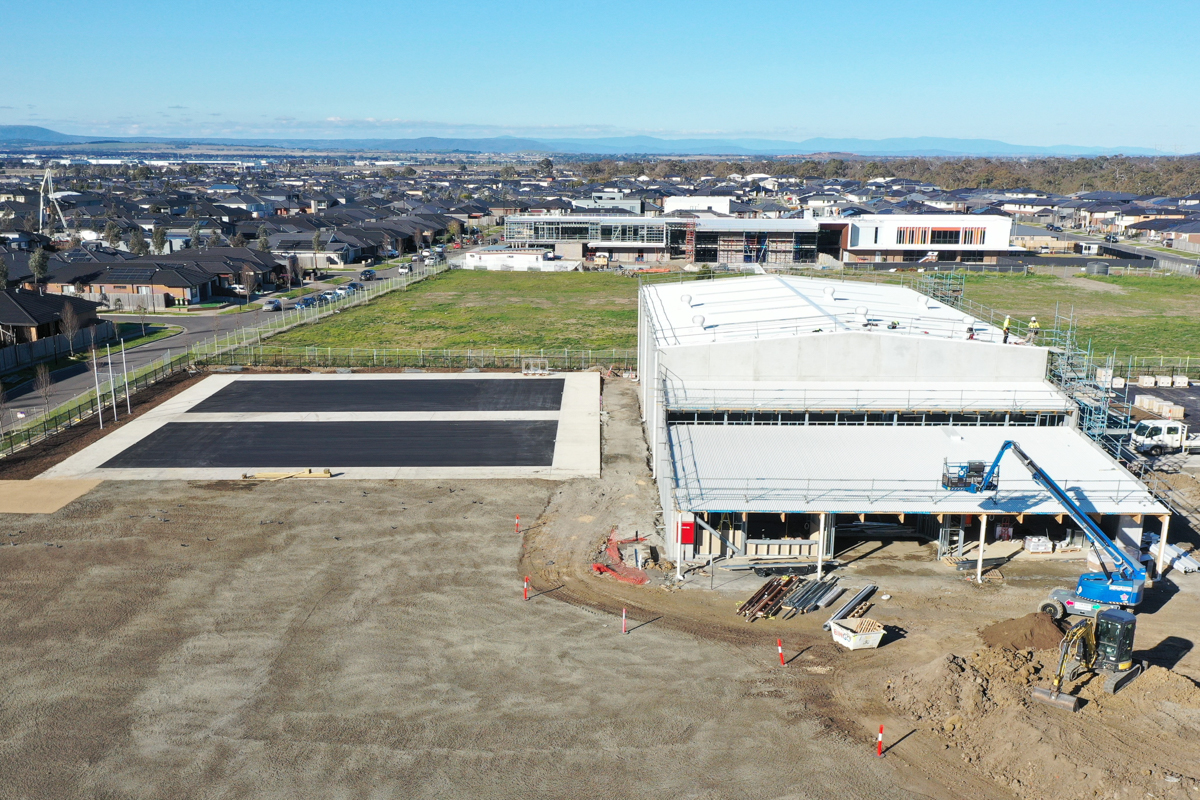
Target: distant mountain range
(32, 136)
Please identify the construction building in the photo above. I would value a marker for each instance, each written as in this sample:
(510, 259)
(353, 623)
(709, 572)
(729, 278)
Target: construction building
(708, 239)
(779, 407)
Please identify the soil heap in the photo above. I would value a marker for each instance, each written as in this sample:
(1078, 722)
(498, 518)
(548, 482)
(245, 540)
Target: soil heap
(1031, 632)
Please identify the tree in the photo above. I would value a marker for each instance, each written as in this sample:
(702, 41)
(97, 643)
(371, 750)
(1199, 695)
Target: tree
(249, 280)
(112, 233)
(137, 241)
(214, 239)
(68, 324)
(194, 235)
(508, 173)
(159, 239)
(409, 172)
(264, 239)
(546, 166)
(238, 240)
(39, 264)
(141, 312)
(3, 274)
(389, 173)
(317, 246)
(43, 384)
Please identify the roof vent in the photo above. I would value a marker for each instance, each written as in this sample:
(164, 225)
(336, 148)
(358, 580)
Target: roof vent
(861, 311)
(968, 318)
(829, 292)
(699, 320)
(687, 299)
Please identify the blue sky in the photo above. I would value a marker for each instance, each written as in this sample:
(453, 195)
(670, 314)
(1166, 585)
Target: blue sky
(1091, 73)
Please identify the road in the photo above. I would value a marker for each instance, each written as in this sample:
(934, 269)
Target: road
(76, 380)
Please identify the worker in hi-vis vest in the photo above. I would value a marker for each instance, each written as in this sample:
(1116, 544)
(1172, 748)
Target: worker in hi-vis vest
(1034, 328)
(1007, 324)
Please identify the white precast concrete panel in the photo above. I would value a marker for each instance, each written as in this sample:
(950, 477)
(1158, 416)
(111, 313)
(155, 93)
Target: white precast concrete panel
(855, 356)
(881, 395)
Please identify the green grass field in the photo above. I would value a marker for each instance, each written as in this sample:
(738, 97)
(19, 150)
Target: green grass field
(468, 309)
(1134, 316)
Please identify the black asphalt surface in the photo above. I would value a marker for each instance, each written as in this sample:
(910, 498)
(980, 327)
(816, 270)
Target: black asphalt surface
(460, 394)
(183, 445)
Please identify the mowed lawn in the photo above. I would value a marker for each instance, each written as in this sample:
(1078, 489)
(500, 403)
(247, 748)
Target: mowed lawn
(1132, 316)
(473, 309)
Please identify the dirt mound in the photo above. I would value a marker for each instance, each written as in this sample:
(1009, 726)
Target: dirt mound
(1030, 632)
(980, 707)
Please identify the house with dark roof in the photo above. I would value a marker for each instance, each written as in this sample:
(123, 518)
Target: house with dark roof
(27, 316)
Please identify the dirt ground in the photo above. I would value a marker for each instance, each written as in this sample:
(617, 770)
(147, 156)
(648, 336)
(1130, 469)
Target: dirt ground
(368, 639)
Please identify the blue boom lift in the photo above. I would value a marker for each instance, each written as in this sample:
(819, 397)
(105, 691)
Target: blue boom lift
(1103, 643)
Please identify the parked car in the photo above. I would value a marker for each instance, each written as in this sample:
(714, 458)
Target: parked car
(272, 305)
(329, 295)
(343, 291)
(367, 275)
(237, 288)
(355, 286)
(427, 253)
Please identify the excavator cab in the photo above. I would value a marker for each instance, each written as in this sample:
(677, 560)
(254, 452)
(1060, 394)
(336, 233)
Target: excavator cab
(1114, 640)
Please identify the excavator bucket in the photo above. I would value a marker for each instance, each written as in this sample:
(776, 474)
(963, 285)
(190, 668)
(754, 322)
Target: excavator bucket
(1058, 699)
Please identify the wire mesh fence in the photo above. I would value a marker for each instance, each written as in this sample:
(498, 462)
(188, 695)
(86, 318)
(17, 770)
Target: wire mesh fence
(265, 355)
(108, 402)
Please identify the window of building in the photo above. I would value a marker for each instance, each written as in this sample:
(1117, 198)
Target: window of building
(945, 236)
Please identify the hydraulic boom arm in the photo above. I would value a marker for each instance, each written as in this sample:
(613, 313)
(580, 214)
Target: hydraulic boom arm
(1125, 587)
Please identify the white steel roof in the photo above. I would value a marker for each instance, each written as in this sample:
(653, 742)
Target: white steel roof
(1023, 396)
(884, 469)
(772, 306)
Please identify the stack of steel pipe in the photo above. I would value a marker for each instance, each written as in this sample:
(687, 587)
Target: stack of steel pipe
(830, 596)
(805, 597)
(767, 600)
(850, 605)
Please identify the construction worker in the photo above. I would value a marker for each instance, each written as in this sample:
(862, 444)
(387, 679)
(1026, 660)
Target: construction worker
(1007, 324)
(1034, 328)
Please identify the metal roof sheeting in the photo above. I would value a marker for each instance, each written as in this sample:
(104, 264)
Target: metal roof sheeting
(773, 306)
(882, 469)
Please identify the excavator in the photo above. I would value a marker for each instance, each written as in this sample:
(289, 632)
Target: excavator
(1103, 641)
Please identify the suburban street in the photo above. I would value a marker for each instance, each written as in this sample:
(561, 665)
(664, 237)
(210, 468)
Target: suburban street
(75, 380)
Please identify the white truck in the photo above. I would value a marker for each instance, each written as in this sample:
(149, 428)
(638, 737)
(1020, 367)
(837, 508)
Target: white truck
(1156, 437)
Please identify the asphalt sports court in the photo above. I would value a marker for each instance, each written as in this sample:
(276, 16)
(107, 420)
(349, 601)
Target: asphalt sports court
(359, 426)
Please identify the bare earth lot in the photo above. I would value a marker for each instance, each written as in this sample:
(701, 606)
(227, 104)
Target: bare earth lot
(270, 658)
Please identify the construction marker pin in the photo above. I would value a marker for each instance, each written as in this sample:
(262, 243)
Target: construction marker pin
(879, 744)
(624, 629)
(518, 523)
(526, 587)
(779, 644)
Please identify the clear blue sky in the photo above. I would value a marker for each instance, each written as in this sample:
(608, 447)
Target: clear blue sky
(1093, 73)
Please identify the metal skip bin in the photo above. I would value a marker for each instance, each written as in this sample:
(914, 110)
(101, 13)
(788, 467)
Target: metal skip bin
(857, 634)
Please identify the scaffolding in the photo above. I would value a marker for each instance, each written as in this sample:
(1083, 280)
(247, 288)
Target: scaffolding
(1070, 367)
(689, 242)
